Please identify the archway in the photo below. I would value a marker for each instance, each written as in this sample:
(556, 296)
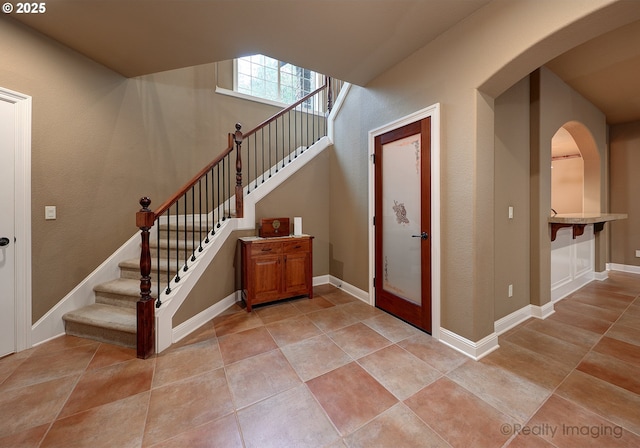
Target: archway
(575, 174)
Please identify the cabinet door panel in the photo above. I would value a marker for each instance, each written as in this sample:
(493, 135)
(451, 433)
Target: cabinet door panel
(267, 278)
(295, 278)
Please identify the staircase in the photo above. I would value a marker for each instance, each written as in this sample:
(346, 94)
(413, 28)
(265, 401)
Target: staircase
(112, 318)
(136, 309)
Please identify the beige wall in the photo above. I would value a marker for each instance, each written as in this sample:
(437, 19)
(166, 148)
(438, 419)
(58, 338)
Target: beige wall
(220, 279)
(306, 195)
(100, 142)
(522, 36)
(625, 185)
(512, 167)
(527, 116)
(555, 104)
(567, 185)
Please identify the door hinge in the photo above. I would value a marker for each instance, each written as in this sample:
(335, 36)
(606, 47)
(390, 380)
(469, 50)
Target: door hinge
(373, 158)
(374, 220)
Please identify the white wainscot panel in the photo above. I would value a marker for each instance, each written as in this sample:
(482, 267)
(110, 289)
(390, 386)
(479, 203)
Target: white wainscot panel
(584, 253)
(561, 258)
(572, 261)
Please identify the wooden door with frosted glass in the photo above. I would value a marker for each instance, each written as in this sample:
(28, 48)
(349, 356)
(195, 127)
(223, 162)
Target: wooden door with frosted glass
(403, 223)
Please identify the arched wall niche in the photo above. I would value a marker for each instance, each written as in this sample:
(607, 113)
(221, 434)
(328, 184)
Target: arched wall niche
(576, 177)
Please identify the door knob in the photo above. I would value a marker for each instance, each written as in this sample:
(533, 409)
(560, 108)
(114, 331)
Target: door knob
(422, 236)
(4, 241)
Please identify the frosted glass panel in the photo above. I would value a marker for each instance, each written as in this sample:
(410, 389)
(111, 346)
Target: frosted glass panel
(401, 218)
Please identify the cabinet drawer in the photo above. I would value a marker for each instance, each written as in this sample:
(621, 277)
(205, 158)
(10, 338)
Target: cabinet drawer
(297, 246)
(266, 248)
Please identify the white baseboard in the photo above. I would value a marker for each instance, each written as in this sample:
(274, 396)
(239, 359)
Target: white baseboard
(623, 268)
(474, 350)
(601, 276)
(542, 312)
(321, 280)
(350, 289)
(197, 321)
(511, 320)
(517, 317)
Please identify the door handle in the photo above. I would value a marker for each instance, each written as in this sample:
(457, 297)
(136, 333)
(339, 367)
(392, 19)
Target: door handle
(422, 236)
(4, 241)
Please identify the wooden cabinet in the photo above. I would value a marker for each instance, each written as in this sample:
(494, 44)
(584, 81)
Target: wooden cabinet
(276, 268)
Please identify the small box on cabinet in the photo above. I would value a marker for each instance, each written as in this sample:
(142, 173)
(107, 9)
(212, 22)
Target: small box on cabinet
(273, 227)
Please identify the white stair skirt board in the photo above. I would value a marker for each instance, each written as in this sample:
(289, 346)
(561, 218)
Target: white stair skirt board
(189, 326)
(51, 324)
(270, 184)
(474, 350)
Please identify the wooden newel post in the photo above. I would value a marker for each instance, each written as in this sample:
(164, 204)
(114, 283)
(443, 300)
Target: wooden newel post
(329, 95)
(145, 312)
(237, 137)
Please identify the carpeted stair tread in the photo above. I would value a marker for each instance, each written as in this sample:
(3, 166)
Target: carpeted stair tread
(105, 316)
(134, 264)
(196, 223)
(173, 243)
(120, 286)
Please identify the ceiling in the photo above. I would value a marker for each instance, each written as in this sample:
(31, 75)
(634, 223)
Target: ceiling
(605, 70)
(353, 40)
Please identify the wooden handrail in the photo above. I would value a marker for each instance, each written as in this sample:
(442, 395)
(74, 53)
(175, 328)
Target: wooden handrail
(288, 109)
(166, 204)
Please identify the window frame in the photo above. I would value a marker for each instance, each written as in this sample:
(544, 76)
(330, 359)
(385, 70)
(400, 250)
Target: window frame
(317, 79)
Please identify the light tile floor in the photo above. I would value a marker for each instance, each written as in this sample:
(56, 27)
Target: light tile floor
(334, 372)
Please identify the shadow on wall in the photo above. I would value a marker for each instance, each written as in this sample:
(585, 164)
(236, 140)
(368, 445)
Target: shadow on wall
(336, 268)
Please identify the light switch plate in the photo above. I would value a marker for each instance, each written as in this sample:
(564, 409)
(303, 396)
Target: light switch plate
(49, 212)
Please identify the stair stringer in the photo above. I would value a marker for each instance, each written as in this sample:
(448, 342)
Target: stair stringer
(180, 291)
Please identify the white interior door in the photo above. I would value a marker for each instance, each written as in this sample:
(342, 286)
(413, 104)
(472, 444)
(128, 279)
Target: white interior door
(7, 230)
